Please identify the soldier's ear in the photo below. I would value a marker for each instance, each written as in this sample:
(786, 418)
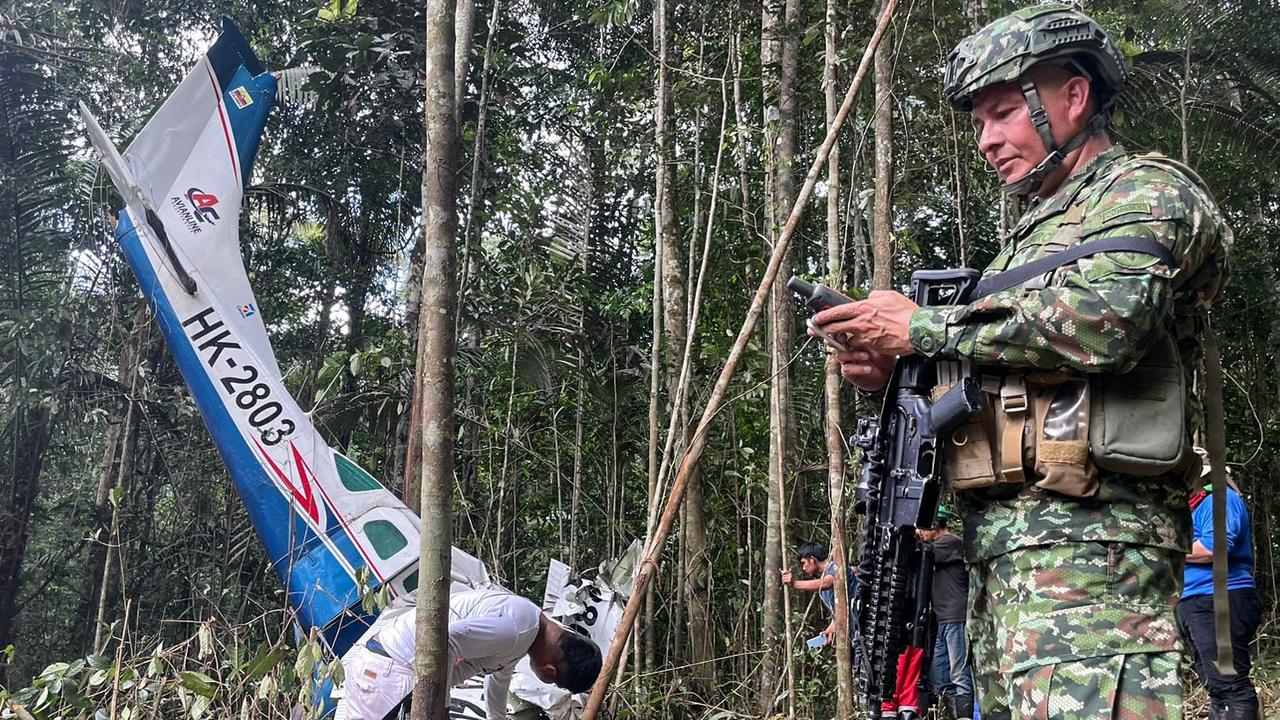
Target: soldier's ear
(1078, 97)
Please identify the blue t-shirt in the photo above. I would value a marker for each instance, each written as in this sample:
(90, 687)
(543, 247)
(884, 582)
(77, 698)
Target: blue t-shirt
(829, 595)
(1198, 577)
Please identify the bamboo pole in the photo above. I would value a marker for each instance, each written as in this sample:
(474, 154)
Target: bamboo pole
(648, 565)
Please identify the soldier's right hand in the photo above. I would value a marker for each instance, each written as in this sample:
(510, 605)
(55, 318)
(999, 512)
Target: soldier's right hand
(865, 368)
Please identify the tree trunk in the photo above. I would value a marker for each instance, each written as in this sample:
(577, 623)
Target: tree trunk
(470, 228)
(32, 429)
(882, 222)
(344, 423)
(975, 11)
(779, 48)
(834, 434)
(438, 339)
(740, 122)
(332, 241)
(661, 214)
(114, 476)
(675, 305)
(463, 24)
(120, 434)
(407, 429)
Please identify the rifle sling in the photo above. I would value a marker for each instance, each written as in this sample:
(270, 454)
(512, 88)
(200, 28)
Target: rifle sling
(1014, 277)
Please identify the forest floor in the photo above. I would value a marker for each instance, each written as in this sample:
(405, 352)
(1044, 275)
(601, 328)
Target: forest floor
(1266, 678)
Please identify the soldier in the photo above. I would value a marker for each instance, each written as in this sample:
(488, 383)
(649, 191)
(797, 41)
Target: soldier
(1075, 530)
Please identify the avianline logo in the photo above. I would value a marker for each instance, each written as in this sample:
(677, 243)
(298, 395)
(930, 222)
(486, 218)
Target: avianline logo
(198, 208)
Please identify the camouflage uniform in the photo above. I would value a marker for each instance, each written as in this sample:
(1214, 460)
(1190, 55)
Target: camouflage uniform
(1072, 599)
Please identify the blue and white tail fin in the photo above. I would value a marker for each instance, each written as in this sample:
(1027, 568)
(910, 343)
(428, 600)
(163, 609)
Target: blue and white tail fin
(331, 531)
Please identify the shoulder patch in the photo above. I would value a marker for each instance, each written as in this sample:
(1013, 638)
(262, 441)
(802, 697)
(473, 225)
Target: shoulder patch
(1106, 214)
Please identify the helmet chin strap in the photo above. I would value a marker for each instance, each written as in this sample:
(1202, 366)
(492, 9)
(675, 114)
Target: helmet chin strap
(1032, 181)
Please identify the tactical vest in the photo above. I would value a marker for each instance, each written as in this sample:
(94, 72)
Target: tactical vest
(1064, 427)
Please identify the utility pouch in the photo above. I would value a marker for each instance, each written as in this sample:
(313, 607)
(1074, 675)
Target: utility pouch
(968, 450)
(987, 450)
(1061, 432)
(1139, 418)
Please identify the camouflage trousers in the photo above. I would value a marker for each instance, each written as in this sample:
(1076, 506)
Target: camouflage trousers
(1077, 631)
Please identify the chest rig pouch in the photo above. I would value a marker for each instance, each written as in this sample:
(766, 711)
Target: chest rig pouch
(1065, 426)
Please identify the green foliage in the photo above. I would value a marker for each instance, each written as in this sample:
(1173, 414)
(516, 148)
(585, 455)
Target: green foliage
(219, 672)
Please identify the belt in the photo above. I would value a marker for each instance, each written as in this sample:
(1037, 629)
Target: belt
(376, 648)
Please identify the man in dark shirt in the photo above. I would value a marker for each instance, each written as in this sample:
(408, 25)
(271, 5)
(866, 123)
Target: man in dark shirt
(950, 605)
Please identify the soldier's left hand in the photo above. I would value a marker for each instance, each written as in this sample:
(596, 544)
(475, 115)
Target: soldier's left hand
(880, 323)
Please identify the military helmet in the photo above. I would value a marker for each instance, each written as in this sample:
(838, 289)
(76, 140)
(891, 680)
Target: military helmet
(1004, 50)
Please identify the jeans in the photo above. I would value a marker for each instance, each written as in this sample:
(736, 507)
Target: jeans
(1195, 616)
(951, 656)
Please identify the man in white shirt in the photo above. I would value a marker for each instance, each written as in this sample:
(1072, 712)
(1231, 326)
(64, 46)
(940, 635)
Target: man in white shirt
(489, 632)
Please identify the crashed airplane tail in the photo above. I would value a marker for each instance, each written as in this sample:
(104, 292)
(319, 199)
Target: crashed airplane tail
(331, 531)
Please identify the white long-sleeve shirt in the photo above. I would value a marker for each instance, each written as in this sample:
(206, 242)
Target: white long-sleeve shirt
(489, 631)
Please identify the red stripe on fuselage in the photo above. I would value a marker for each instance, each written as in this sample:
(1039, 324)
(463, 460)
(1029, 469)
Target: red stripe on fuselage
(226, 131)
(305, 498)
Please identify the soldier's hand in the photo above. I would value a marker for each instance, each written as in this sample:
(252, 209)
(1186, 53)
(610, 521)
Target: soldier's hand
(881, 323)
(866, 369)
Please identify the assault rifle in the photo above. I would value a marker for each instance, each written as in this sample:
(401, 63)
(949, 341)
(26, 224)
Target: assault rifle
(901, 484)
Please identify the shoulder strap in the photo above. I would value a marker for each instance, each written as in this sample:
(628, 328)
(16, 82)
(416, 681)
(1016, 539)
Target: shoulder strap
(1216, 443)
(1016, 276)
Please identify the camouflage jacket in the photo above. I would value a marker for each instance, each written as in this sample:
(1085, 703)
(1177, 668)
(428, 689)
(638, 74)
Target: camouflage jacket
(1098, 315)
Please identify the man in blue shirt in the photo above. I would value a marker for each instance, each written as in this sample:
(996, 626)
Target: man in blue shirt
(815, 564)
(1230, 698)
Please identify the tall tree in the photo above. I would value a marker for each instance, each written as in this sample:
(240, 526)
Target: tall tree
(882, 219)
(437, 335)
(778, 58)
(675, 308)
(831, 386)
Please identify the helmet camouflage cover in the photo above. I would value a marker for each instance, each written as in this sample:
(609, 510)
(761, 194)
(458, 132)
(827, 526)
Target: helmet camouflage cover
(1002, 51)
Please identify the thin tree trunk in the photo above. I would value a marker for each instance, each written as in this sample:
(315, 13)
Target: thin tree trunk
(408, 428)
(332, 239)
(835, 438)
(464, 20)
(438, 339)
(32, 429)
(648, 562)
(779, 48)
(119, 435)
(508, 433)
(119, 475)
(740, 122)
(975, 11)
(882, 221)
(661, 213)
(579, 420)
(1182, 100)
(480, 147)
